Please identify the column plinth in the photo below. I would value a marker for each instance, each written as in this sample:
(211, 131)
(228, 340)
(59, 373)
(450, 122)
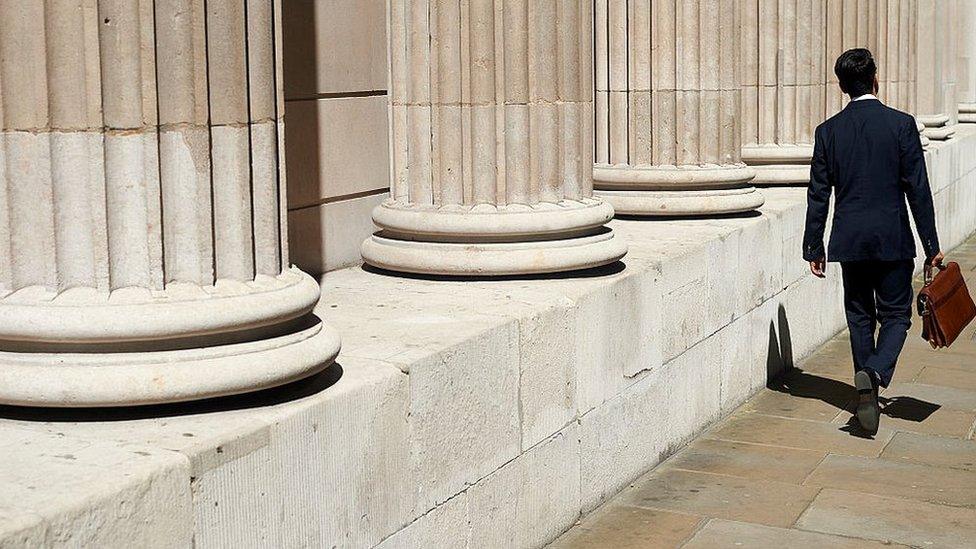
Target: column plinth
(491, 126)
(967, 113)
(650, 190)
(779, 164)
(144, 256)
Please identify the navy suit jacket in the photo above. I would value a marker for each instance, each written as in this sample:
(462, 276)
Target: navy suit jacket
(871, 157)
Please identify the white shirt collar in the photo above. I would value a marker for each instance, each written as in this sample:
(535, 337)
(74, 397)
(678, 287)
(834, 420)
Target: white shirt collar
(865, 96)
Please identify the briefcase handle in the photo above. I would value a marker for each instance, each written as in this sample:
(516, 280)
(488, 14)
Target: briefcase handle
(927, 275)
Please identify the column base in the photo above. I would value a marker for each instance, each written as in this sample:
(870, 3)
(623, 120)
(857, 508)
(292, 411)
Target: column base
(670, 191)
(936, 128)
(921, 134)
(134, 346)
(486, 240)
(89, 380)
(779, 165)
(683, 203)
(967, 113)
(494, 259)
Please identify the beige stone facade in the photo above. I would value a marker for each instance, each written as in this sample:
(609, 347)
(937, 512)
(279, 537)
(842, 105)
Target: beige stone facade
(172, 172)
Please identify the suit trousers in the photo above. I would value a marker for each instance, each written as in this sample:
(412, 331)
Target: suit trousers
(878, 292)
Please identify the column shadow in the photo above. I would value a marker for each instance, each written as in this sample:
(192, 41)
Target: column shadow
(302, 162)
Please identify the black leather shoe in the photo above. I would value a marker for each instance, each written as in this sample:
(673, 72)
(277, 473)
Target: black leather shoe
(868, 412)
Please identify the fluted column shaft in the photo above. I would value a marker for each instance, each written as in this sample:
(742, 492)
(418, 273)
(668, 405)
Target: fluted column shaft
(935, 77)
(895, 53)
(667, 139)
(491, 116)
(886, 27)
(141, 205)
(783, 87)
(966, 23)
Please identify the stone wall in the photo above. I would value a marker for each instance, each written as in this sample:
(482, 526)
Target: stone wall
(489, 414)
(336, 131)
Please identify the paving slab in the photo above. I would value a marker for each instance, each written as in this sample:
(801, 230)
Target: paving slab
(746, 460)
(898, 520)
(950, 397)
(802, 395)
(834, 360)
(799, 433)
(931, 450)
(949, 377)
(721, 496)
(628, 527)
(923, 418)
(896, 478)
(717, 534)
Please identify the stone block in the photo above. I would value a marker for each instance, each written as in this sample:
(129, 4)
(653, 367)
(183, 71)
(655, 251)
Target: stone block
(70, 491)
(618, 326)
(631, 433)
(797, 433)
(446, 525)
(348, 443)
(751, 348)
(531, 500)
(932, 450)
(327, 236)
(238, 505)
(336, 148)
(464, 407)
(547, 373)
(686, 291)
(334, 46)
(622, 438)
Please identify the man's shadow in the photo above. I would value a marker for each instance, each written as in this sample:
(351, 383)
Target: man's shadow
(784, 377)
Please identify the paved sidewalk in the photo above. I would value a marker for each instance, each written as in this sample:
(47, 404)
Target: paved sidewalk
(790, 469)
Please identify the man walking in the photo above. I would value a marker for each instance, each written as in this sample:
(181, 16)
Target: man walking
(871, 157)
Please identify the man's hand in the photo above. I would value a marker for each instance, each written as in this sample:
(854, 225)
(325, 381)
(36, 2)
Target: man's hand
(931, 263)
(818, 267)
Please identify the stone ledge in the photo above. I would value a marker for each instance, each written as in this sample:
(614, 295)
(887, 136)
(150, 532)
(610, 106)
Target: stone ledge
(451, 401)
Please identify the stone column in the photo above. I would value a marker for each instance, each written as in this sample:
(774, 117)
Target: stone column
(668, 108)
(966, 32)
(888, 29)
(143, 250)
(491, 116)
(894, 53)
(935, 85)
(783, 87)
(849, 24)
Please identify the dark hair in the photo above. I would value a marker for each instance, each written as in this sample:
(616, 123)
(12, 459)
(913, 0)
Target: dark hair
(855, 69)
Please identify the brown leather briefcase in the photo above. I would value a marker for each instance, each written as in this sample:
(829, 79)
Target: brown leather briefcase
(945, 306)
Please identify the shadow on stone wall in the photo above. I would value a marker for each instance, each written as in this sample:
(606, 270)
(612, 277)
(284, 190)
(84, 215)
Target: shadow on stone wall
(300, 73)
(779, 357)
